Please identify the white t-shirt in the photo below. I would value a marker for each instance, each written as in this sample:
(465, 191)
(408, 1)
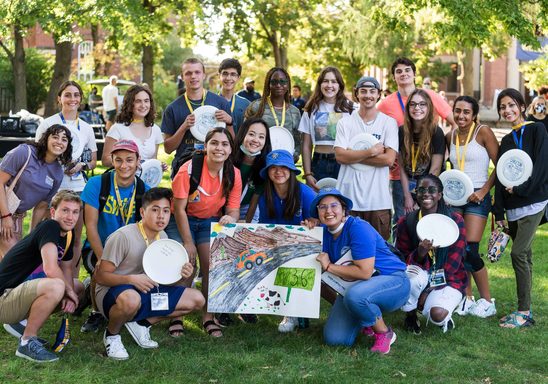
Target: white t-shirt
(147, 147)
(83, 140)
(369, 189)
(321, 125)
(110, 92)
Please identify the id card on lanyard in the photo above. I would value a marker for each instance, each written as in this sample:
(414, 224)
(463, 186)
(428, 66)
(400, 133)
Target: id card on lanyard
(436, 277)
(159, 301)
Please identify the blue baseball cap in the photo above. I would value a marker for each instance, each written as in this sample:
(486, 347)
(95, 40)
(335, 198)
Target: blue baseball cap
(281, 158)
(368, 82)
(328, 192)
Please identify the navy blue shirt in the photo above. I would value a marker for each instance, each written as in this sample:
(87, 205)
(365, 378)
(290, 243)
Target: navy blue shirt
(251, 96)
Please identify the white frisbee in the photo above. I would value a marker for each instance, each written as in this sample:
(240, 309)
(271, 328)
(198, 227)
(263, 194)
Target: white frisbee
(326, 182)
(151, 172)
(359, 142)
(440, 229)
(457, 187)
(205, 121)
(163, 260)
(514, 168)
(281, 138)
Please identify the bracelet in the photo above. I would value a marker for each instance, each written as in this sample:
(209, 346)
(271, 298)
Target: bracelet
(8, 215)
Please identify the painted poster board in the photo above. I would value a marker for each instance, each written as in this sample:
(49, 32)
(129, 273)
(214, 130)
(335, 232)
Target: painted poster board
(339, 284)
(265, 269)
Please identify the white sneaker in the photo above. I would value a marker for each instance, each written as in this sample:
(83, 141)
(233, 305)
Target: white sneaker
(114, 347)
(483, 308)
(141, 335)
(288, 324)
(465, 305)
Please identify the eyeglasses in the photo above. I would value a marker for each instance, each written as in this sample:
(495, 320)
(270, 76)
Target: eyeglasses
(230, 74)
(282, 82)
(420, 105)
(324, 207)
(431, 190)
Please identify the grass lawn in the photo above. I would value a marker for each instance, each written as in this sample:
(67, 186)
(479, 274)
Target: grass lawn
(476, 351)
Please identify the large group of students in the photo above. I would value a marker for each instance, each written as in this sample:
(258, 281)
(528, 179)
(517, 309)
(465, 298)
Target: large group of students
(236, 176)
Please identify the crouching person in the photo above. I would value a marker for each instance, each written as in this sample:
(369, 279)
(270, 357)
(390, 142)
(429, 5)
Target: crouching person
(124, 293)
(35, 300)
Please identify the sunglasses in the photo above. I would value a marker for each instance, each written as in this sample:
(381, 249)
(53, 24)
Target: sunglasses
(431, 190)
(281, 82)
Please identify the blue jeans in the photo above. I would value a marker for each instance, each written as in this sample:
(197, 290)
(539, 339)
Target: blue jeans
(172, 231)
(363, 305)
(324, 165)
(397, 200)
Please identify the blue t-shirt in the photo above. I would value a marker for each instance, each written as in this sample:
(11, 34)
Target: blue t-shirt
(307, 195)
(176, 113)
(110, 218)
(364, 242)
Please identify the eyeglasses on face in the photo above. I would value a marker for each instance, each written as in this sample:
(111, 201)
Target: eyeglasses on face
(230, 74)
(282, 82)
(324, 207)
(421, 105)
(431, 190)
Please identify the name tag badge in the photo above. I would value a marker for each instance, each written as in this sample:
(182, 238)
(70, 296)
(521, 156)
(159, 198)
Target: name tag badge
(412, 185)
(437, 278)
(159, 301)
(199, 145)
(49, 181)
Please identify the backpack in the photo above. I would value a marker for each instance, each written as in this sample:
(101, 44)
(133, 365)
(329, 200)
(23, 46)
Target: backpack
(195, 171)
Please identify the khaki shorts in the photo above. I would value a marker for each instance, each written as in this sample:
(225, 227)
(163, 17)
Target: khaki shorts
(380, 220)
(15, 303)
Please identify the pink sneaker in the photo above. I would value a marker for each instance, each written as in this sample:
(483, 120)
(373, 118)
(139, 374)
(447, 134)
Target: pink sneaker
(368, 331)
(383, 341)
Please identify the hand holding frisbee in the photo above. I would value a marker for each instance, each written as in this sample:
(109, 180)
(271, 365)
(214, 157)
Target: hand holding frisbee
(163, 261)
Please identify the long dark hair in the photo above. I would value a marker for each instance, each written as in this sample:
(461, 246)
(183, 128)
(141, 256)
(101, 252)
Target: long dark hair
(126, 113)
(342, 104)
(42, 144)
(292, 203)
(266, 92)
(443, 209)
(426, 134)
(228, 166)
(259, 161)
(473, 102)
(516, 96)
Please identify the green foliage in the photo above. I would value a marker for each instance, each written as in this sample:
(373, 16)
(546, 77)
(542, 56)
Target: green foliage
(165, 91)
(39, 67)
(535, 72)
(173, 54)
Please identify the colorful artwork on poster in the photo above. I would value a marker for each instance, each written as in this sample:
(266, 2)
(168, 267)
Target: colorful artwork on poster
(265, 269)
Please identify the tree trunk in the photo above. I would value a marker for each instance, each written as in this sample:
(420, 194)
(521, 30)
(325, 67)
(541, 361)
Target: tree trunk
(466, 76)
(95, 38)
(283, 57)
(276, 50)
(147, 60)
(61, 73)
(19, 71)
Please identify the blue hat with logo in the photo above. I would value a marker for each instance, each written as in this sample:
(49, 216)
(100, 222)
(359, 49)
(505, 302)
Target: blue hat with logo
(328, 192)
(281, 158)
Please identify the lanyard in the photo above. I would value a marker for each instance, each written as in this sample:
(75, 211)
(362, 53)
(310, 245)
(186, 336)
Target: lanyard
(65, 121)
(460, 162)
(143, 233)
(125, 215)
(515, 135)
(401, 102)
(414, 158)
(188, 103)
(232, 103)
(430, 252)
(68, 243)
(274, 113)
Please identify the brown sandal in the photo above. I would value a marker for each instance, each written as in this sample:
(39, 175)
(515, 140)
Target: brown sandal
(212, 329)
(176, 328)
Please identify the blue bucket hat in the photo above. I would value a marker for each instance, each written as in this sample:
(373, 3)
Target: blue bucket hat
(279, 157)
(328, 192)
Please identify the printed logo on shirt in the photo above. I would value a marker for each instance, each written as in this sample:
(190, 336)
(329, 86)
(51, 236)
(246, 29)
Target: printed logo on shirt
(112, 208)
(377, 136)
(299, 212)
(325, 125)
(195, 197)
(49, 181)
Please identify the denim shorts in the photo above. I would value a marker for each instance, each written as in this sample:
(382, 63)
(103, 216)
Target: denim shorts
(482, 209)
(200, 229)
(324, 165)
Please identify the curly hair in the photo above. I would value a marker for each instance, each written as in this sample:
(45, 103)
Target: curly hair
(427, 130)
(342, 104)
(126, 113)
(228, 164)
(266, 93)
(42, 144)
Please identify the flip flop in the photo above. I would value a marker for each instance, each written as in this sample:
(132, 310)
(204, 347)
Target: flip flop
(212, 328)
(176, 328)
(511, 321)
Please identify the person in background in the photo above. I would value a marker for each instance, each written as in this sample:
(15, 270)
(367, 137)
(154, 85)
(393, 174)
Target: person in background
(249, 92)
(322, 112)
(538, 111)
(110, 101)
(524, 204)
(426, 83)
(296, 98)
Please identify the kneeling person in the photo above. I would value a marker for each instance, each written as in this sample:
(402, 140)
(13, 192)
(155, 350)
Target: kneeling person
(35, 300)
(124, 293)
